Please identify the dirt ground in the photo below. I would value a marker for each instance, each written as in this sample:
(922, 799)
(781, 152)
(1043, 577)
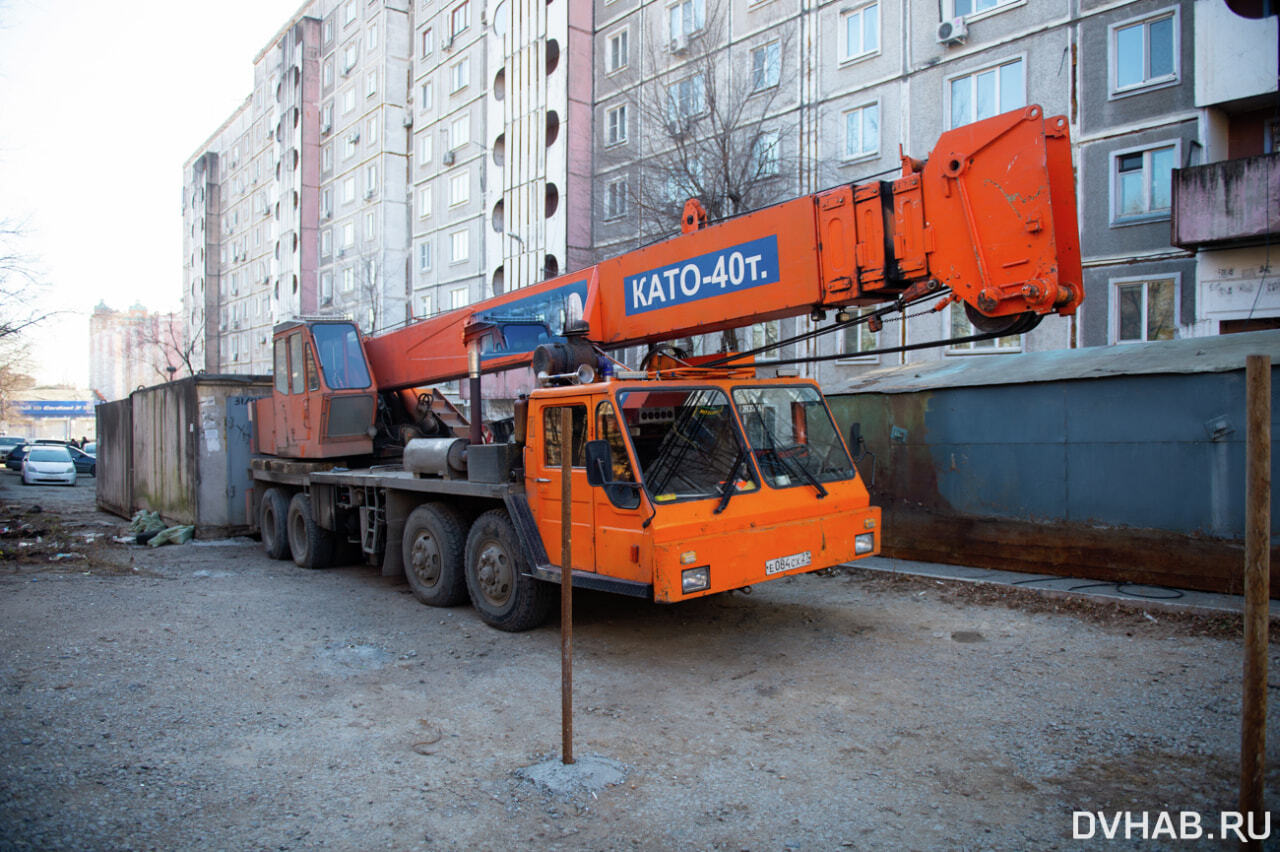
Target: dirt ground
(203, 696)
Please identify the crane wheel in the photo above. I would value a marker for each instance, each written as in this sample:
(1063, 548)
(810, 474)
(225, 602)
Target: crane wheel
(1005, 325)
(312, 544)
(433, 547)
(502, 591)
(271, 522)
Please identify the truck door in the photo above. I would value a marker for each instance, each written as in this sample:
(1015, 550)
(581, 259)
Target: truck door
(620, 544)
(543, 486)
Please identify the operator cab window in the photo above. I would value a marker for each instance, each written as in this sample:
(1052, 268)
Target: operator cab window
(341, 359)
(608, 429)
(295, 362)
(551, 436)
(792, 436)
(282, 366)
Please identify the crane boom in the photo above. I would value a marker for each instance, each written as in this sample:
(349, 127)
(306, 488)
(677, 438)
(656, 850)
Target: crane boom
(990, 217)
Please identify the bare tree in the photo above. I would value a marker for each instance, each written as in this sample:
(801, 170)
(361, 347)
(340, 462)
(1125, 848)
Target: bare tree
(19, 282)
(172, 349)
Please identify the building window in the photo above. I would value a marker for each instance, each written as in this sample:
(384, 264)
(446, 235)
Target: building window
(685, 99)
(960, 326)
(348, 235)
(859, 339)
(684, 19)
(328, 31)
(424, 149)
(459, 20)
(428, 96)
(350, 145)
(615, 199)
(987, 92)
(764, 154)
(326, 118)
(616, 55)
(371, 84)
(765, 66)
(424, 262)
(1141, 187)
(327, 73)
(348, 279)
(326, 158)
(371, 37)
(326, 242)
(350, 54)
(460, 131)
(459, 188)
(349, 100)
(424, 202)
(370, 180)
(963, 8)
(371, 130)
(326, 288)
(426, 304)
(615, 120)
(862, 132)
(428, 41)
(460, 74)
(1145, 309)
(860, 32)
(349, 190)
(1144, 53)
(458, 298)
(370, 226)
(349, 13)
(326, 202)
(459, 246)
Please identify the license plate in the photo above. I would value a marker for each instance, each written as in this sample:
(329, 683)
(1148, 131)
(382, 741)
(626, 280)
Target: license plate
(787, 563)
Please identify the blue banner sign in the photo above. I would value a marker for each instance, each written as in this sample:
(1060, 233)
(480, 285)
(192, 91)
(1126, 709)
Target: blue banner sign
(52, 408)
(750, 264)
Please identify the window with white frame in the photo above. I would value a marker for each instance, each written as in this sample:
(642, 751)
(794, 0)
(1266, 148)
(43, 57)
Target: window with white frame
(350, 145)
(460, 74)
(371, 84)
(424, 149)
(326, 158)
(428, 41)
(684, 18)
(424, 260)
(426, 96)
(326, 118)
(860, 32)
(459, 246)
(964, 8)
(426, 304)
(616, 52)
(348, 234)
(764, 334)
(349, 189)
(371, 130)
(615, 198)
(424, 202)
(685, 99)
(959, 325)
(326, 288)
(326, 73)
(349, 100)
(349, 13)
(370, 226)
(326, 242)
(859, 339)
(458, 298)
(327, 35)
(459, 188)
(765, 66)
(459, 19)
(460, 131)
(1144, 309)
(987, 92)
(350, 54)
(615, 120)
(1144, 52)
(371, 36)
(764, 154)
(1142, 183)
(326, 202)
(348, 279)
(862, 131)
(371, 179)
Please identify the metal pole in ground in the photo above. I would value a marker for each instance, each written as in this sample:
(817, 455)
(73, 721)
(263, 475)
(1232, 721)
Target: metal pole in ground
(566, 586)
(1257, 582)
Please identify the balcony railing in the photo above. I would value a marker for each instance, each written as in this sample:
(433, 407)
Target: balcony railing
(1228, 203)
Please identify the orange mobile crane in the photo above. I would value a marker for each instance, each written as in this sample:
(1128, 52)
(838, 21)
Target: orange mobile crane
(690, 476)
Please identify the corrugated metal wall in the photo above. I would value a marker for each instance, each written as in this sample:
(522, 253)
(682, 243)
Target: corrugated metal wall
(114, 479)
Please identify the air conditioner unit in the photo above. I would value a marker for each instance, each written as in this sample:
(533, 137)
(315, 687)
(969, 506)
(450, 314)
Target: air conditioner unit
(408, 118)
(448, 158)
(369, 193)
(325, 128)
(954, 31)
(679, 44)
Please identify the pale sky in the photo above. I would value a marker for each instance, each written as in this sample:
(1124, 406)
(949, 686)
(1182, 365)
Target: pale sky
(101, 103)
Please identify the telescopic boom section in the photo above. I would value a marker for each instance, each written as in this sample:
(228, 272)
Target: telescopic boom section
(990, 216)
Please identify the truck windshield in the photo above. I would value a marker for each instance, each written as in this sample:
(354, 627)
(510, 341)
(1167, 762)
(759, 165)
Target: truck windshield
(687, 443)
(341, 358)
(792, 436)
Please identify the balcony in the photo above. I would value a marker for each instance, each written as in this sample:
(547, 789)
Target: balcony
(1227, 204)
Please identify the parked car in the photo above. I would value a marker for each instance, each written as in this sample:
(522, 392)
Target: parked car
(48, 463)
(92, 448)
(8, 442)
(84, 462)
(56, 441)
(13, 459)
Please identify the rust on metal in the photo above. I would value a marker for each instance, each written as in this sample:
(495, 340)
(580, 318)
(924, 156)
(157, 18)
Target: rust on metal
(566, 585)
(1257, 570)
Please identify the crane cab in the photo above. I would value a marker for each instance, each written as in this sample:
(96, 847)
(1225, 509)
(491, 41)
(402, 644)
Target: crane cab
(323, 400)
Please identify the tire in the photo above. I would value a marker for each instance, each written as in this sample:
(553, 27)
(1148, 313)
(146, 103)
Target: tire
(312, 544)
(271, 522)
(502, 591)
(433, 547)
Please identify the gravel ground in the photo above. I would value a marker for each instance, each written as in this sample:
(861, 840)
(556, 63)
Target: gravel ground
(203, 696)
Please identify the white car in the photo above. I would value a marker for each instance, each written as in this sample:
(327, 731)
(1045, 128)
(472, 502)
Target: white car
(48, 463)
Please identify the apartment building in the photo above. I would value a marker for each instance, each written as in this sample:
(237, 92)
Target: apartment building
(367, 175)
(133, 348)
(815, 94)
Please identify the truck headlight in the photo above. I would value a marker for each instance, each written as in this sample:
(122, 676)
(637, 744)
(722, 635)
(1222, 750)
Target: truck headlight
(864, 544)
(695, 579)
